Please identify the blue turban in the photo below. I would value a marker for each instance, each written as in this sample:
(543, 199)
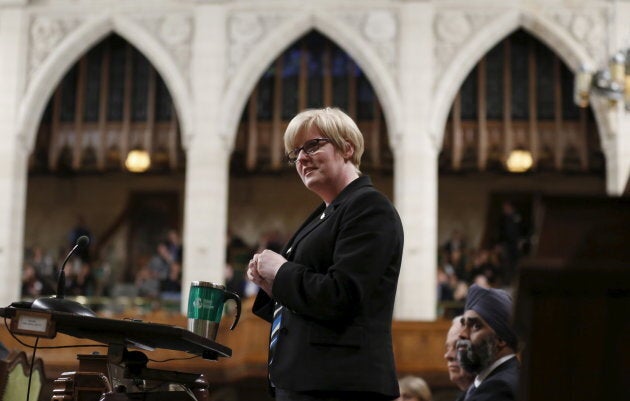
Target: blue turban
(495, 307)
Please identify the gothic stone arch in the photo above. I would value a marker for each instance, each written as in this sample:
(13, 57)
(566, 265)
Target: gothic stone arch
(463, 38)
(256, 39)
(71, 40)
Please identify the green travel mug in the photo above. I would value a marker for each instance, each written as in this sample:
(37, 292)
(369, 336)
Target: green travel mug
(205, 308)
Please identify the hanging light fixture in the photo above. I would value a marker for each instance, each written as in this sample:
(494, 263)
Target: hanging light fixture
(582, 89)
(519, 161)
(138, 160)
(612, 83)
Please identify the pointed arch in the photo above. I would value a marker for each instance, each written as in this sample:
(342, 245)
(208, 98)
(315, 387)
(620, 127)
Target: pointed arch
(50, 73)
(550, 33)
(252, 68)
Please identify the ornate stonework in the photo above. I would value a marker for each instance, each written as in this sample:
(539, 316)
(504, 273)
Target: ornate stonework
(245, 31)
(44, 34)
(380, 29)
(175, 32)
(452, 29)
(587, 27)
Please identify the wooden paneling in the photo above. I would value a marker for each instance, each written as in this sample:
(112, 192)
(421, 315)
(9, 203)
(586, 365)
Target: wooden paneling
(419, 349)
(556, 141)
(573, 303)
(101, 142)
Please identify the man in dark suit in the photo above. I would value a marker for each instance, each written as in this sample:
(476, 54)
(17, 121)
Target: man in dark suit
(487, 346)
(332, 287)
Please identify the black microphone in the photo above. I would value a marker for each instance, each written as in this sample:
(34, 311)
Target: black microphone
(58, 303)
(82, 243)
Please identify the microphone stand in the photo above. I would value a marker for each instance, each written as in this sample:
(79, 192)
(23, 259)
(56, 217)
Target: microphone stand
(58, 303)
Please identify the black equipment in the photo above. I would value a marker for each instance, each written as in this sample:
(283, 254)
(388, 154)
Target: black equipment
(130, 366)
(58, 303)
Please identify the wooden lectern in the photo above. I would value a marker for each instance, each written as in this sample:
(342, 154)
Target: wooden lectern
(573, 303)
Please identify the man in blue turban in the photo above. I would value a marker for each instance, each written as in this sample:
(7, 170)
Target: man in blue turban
(487, 345)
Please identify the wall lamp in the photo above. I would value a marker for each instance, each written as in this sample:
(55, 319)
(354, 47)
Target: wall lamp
(138, 160)
(519, 161)
(612, 83)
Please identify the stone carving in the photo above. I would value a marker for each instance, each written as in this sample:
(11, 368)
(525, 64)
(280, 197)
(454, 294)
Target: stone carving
(380, 26)
(452, 29)
(587, 27)
(175, 32)
(380, 29)
(245, 31)
(45, 34)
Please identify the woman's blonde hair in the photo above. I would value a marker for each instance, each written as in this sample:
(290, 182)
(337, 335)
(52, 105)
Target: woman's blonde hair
(415, 387)
(333, 124)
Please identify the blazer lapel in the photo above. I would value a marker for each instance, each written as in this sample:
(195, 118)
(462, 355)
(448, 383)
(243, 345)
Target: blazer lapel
(321, 214)
(306, 227)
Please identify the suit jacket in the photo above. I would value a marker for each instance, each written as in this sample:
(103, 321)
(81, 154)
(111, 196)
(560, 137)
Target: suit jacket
(338, 288)
(500, 385)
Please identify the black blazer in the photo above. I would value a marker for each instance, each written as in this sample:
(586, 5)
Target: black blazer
(500, 385)
(338, 290)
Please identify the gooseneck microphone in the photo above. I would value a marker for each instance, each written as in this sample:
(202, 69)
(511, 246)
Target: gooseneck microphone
(58, 303)
(82, 243)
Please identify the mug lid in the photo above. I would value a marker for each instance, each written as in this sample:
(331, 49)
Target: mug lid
(207, 284)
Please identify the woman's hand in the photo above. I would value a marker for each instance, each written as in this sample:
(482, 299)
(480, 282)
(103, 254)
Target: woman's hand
(263, 267)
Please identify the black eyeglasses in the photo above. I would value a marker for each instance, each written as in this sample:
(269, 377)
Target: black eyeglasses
(309, 148)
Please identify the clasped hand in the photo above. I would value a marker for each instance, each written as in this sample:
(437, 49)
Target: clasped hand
(263, 267)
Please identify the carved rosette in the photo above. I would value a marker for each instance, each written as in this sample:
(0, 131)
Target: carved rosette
(245, 31)
(587, 27)
(45, 33)
(452, 30)
(380, 29)
(176, 33)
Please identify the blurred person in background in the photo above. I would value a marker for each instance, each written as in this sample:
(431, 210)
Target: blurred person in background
(414, 388)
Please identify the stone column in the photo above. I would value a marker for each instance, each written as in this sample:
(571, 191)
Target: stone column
(616, 145)
(208, 156)
(12, 153)
(618, 139)
(415, 171)
(624, 152)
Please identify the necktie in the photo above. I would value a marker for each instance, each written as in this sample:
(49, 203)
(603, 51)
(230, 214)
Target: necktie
(275, 331)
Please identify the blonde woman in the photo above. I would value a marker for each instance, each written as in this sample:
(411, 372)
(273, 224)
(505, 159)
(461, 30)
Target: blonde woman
(329, 293)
